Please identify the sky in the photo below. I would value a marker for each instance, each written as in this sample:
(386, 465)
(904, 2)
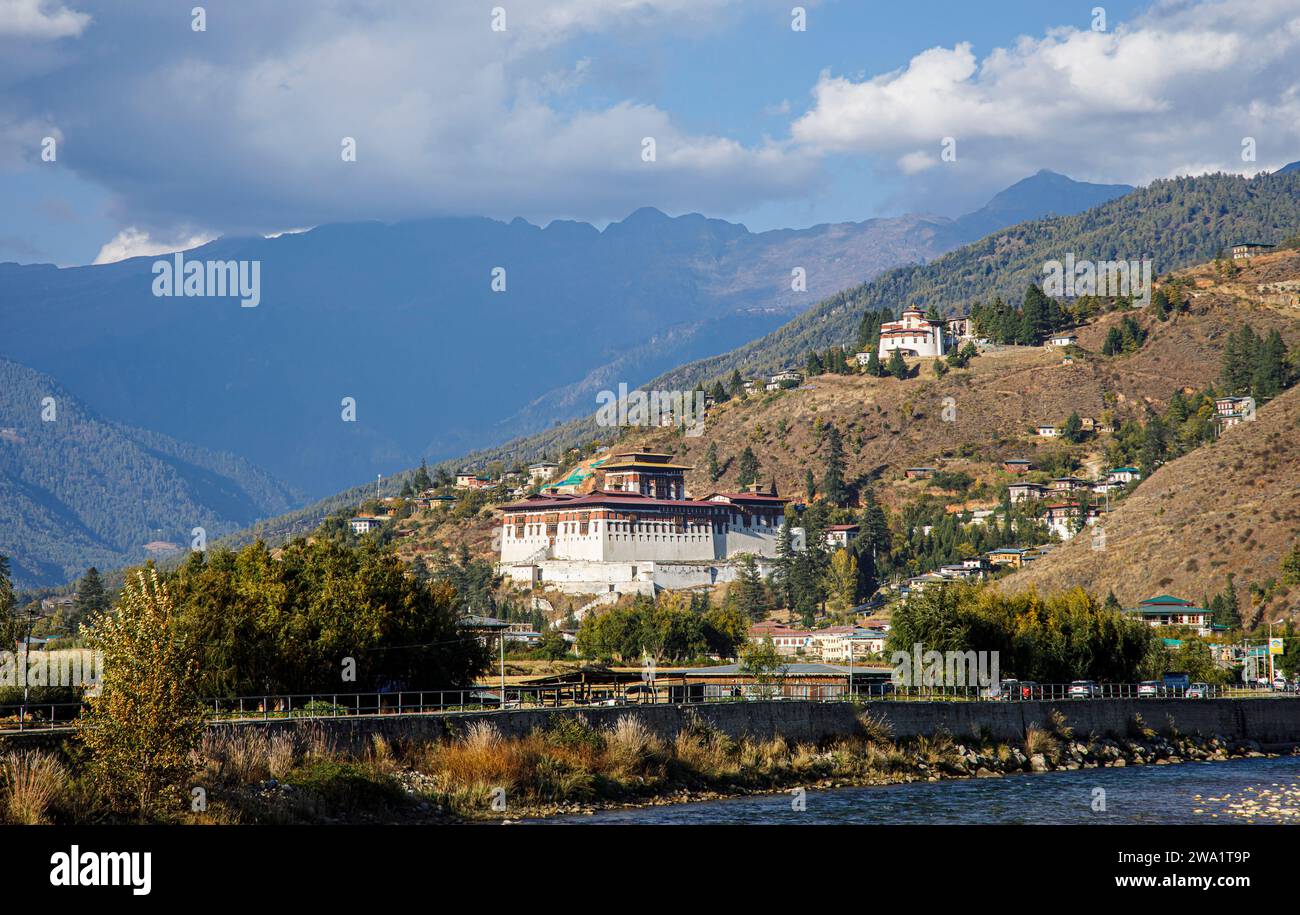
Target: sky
(164, 136)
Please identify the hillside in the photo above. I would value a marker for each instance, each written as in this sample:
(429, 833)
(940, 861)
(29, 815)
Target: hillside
(888, 424)
(1178, 218)
(1175, 223)
(82, 490)
(404, 319)
(1231, 506)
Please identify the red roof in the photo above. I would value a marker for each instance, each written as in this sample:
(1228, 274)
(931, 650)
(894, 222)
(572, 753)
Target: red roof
(601, 497)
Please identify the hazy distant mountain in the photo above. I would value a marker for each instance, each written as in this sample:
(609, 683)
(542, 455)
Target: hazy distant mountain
(79, 490)
(1044, 194)
(403, 319)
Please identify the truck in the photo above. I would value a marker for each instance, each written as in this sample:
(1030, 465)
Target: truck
(1177, 683)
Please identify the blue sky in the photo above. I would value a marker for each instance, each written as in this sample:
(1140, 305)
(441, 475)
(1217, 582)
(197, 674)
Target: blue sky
(167, 136)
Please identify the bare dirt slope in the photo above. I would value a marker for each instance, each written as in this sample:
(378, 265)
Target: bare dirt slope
(1231, 506)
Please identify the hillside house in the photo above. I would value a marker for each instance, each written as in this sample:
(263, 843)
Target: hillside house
(1232, 411)
(542, 471)
(1062, 517)
(1017, 465)
(917, 584)
(918, 473)
(364, 524)
(840, 535)
(1167, 610)
(960, 330)
(1245, 249)
(1012, 556)
(1062, 339)
(469, 479)
(1025, 492)
(1046, 430)
(785, 378)
(1068, 484)
(1123, 475)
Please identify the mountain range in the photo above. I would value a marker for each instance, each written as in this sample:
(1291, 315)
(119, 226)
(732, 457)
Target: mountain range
(404, 319)
(78, 490)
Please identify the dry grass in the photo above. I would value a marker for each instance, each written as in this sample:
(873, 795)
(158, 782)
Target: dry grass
(33, 783)
(1039, 740)
(1060, 725)
(875, 728)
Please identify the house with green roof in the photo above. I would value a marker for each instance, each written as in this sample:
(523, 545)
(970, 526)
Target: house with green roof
(1166, 610)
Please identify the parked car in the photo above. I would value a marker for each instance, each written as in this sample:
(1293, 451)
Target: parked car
(1279, 683)
(1198, 691)
(1150, 689)
(1083, 689)
(1006, 690)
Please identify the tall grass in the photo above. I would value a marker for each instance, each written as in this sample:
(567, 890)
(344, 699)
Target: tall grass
(33, 782)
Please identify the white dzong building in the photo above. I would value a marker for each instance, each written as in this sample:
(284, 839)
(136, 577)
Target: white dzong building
(639, 533)
(914, 334)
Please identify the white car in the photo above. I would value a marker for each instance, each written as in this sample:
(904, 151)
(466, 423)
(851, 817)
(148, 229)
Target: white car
(1082, 689)
(1149, 689)
(1197, 691)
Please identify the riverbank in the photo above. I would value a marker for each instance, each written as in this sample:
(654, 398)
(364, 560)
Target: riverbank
(570, 766)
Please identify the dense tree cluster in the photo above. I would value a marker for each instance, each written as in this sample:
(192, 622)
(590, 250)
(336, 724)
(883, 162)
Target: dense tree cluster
(265, 623)
(1028, 325)
(1255, 365)
(1125, 337)
(1052, 639)
(675, 627)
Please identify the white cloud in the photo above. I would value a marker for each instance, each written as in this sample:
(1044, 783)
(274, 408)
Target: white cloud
(42, 19)
(1123, 104)
(448, 117)
(133, 242)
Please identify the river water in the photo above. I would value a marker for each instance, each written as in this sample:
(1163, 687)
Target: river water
(1223, 792)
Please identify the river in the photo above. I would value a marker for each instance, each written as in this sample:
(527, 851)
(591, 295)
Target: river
(1223, 792)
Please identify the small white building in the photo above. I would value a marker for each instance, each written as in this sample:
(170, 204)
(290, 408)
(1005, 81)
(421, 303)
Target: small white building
(364, 524)
(1062, 340)
(1046, 430)
(542, 471)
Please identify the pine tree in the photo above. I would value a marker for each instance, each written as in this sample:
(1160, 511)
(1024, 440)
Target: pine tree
(783, 570)
(809, 484)
(747, 467)
(747, 593)
(897, 367)
(1228, 613)
(715, 469)
(1073, 429)
(91, 597)
(422, 481)
(833, 485)
(1114, 344)
(873, 364)
(737, 384)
